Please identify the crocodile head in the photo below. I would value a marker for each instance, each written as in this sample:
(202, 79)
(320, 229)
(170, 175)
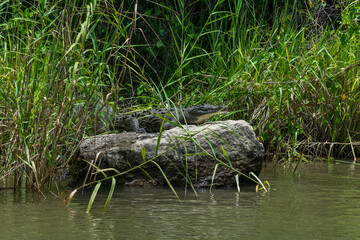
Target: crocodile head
(198, 114)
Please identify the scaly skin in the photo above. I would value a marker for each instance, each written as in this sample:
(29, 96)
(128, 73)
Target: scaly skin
(149, 121)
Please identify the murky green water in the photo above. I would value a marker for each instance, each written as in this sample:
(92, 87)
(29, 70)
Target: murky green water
(320, 202)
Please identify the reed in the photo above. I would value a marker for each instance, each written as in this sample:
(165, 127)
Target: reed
(291, 69)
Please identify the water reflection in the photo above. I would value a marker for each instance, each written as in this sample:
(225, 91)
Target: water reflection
(320, 201)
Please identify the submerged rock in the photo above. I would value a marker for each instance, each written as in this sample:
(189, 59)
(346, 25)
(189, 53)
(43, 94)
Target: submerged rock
(184, 156)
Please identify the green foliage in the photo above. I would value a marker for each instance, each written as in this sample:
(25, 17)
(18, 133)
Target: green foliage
(291, 68)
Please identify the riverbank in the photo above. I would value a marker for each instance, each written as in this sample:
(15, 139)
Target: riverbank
(290, 70)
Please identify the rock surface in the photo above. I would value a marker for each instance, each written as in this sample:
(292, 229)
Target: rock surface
(184, 156)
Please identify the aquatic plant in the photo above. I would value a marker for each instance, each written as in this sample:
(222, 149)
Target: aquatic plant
(290, 68)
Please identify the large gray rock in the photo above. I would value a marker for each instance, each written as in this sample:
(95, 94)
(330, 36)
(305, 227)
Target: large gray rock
(184, 156)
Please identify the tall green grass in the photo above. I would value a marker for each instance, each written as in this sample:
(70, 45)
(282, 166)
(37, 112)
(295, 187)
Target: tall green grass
(51, 63)
(291, 72)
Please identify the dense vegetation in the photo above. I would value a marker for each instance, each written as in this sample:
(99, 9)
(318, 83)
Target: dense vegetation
(290, 68)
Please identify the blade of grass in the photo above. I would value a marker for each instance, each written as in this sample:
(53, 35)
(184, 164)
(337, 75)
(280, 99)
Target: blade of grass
(111, 192)
(93, 195)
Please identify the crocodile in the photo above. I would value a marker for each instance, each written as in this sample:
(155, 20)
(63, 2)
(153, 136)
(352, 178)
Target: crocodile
(152, 120)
